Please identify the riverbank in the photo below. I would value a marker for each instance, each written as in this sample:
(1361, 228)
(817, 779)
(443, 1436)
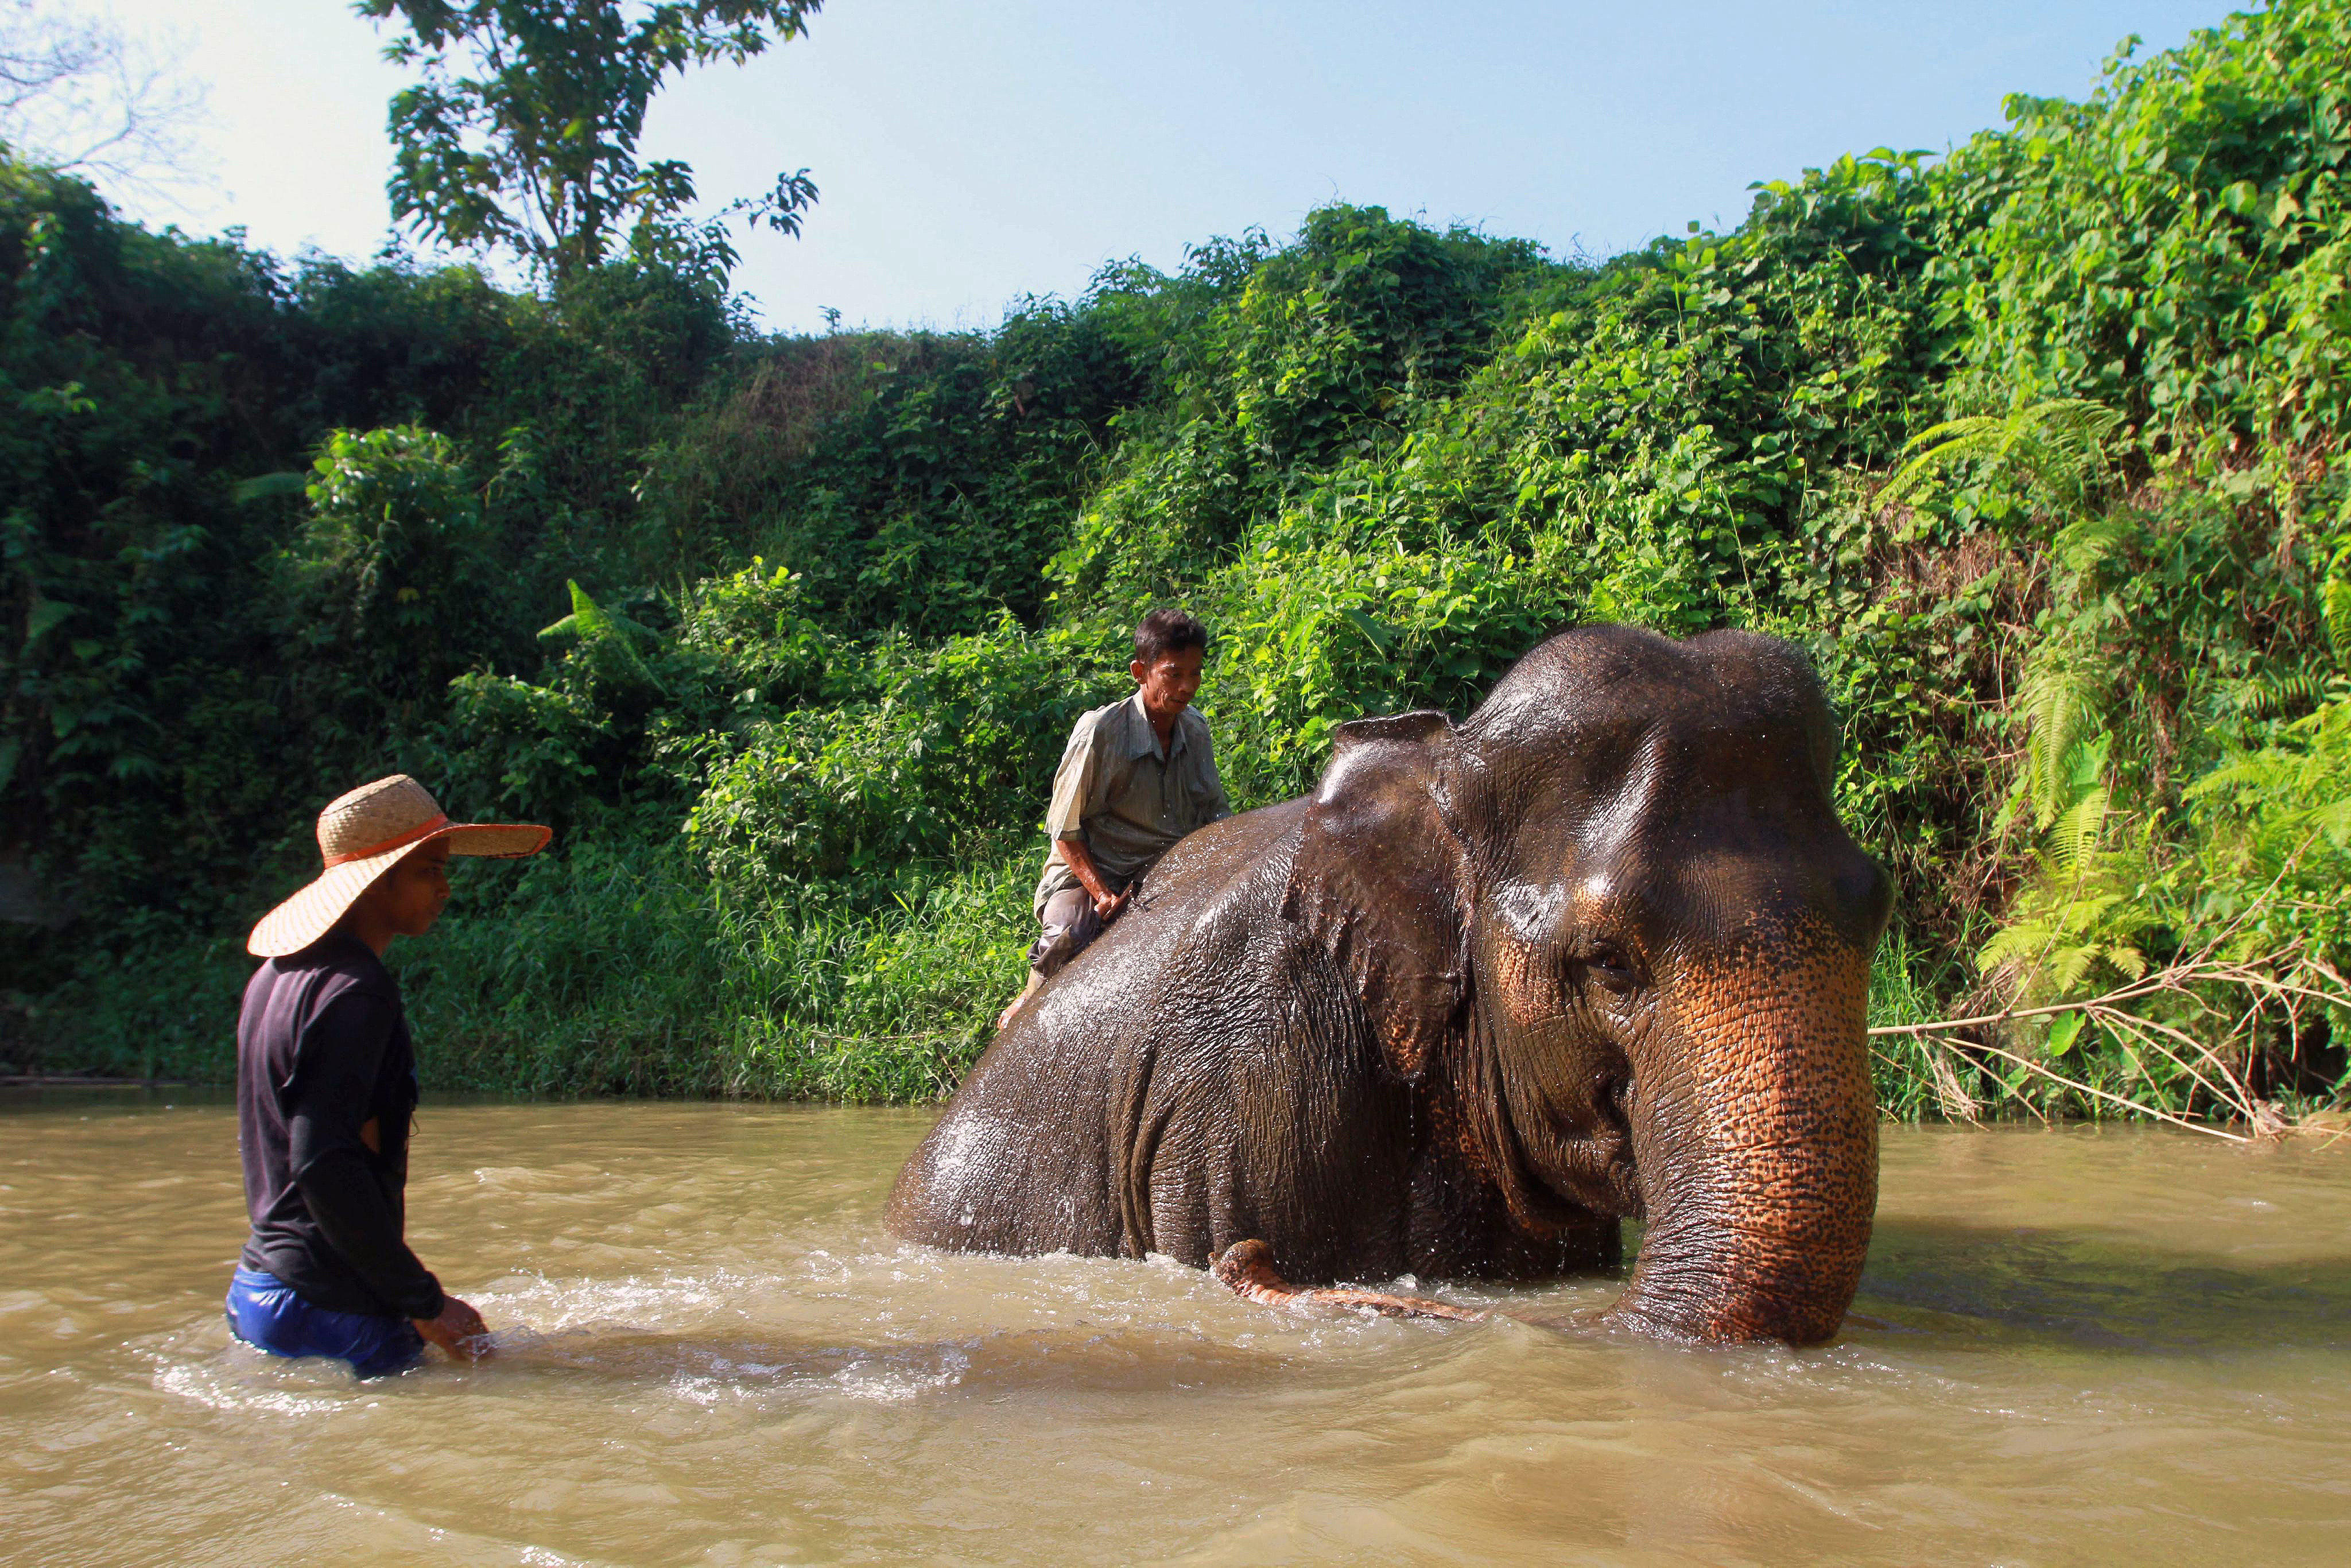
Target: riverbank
(2033, 448)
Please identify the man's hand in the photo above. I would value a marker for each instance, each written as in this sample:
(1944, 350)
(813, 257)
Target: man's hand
(459, 1330)
(1080, 861)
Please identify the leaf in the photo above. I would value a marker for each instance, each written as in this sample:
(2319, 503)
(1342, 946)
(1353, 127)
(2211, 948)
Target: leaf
(2062, 697)
(46, 614)
(586, 617)
(2057, 443)
(2338, 611)
(264, 487)
(1373, 632)
(2062, 1029)
(2075, 838)
(2081, 547)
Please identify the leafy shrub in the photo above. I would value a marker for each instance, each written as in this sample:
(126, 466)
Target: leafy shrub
(949, 745)
(2036, 448)
(390, 567)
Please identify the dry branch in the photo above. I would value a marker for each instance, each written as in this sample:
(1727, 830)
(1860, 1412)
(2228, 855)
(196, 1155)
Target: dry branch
(2284, 980)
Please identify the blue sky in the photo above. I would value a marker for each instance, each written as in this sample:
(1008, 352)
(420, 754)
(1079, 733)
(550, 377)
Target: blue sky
(969, 153)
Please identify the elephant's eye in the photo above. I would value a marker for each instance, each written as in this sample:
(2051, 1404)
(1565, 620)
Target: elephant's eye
(1609, 965)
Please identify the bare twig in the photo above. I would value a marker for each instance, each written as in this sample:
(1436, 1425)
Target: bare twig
(2280, 978)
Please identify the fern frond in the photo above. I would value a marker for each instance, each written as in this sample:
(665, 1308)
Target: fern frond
(2083, 917)
(586, 619)
(2333, 821)
(2335, 605)
(2056, 443)
(2061, 698)
(2079, 428)
(2245, 775)
(2068, 966)
(2271, 692)
(1939, 446)
(2083, 545)
(2019, 944)
(2061, 444)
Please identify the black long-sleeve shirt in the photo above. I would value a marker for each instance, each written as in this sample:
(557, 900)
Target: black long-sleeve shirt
(322, 1047)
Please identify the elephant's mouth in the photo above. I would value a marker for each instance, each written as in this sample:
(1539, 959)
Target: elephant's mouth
(1616, 1141)
(1567, 1164)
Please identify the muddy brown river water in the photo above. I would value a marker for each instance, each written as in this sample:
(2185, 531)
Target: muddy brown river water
(2072, 1347)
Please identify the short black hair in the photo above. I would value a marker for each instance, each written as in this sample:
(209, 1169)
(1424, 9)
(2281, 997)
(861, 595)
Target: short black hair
(1165, 632)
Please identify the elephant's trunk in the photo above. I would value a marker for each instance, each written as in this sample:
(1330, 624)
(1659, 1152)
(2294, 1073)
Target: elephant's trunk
(1756, 1141)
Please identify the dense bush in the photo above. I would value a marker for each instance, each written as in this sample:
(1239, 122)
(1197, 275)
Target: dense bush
(2034, 447)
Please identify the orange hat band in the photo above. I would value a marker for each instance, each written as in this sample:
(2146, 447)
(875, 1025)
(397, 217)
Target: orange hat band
(422, 830)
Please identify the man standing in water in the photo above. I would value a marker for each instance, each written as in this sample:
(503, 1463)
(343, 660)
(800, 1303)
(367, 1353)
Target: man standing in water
(1136, 776)
(325, 1081)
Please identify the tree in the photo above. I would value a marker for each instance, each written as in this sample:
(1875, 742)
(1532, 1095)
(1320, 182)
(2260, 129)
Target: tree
(79, 97)
(523, 132)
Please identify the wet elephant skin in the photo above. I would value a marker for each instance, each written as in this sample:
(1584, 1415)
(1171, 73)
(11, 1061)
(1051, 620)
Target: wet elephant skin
(1599, 951)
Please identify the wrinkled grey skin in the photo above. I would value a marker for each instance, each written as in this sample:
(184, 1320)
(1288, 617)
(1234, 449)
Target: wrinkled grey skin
(1599, 951)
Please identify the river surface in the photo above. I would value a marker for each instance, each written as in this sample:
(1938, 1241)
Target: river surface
(2080, 1346)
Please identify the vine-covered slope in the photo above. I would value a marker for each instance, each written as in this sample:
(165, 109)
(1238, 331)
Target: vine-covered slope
(784, 634)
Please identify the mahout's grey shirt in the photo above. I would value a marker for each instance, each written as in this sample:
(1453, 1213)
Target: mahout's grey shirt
(1128, 799)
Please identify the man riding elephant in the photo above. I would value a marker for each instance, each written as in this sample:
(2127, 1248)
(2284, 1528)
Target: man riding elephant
(1599, 951)
(1136, 777)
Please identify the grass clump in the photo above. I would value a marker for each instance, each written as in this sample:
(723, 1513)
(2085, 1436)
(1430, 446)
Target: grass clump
(631, 973)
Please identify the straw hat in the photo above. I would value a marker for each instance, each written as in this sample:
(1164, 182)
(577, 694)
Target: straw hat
(365, 834)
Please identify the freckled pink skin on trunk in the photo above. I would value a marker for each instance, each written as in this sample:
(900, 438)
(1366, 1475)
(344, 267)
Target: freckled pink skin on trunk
(1758, 1146)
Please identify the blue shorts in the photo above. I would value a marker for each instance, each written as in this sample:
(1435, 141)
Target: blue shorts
(263, 1311)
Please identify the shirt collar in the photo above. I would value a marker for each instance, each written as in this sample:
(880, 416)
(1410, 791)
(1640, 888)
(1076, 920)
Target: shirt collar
(1140, 740)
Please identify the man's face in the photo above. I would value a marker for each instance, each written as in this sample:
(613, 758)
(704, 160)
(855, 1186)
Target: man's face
(413, 892)
(1169, 681)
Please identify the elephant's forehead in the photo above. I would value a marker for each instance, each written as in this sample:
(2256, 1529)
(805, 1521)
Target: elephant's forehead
(1593, 666)
(1535, 909)
(1692, 847)
(1654, 779)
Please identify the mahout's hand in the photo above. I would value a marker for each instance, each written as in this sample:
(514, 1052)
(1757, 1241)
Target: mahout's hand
(459, 1330)
(1107, 905)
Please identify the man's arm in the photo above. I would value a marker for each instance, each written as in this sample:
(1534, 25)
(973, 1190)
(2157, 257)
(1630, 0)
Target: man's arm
(1080, 861)
(1073, 793)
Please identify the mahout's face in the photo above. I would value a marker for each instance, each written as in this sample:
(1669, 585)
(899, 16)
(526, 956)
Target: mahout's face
(1170, 681)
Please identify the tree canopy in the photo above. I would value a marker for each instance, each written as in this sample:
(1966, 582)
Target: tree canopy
(523, 132)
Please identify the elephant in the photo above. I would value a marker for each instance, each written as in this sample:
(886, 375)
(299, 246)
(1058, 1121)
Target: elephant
(1599, 951)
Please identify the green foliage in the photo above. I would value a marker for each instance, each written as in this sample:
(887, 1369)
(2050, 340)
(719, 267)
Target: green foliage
(2085, 919)
(619, 969)
(523, 132)
(2058, 445)
(2174, 246)
(391, 567)
(2272, 852)
(938, 745)
(2036, 448)
(947, 468)
(1311, 631)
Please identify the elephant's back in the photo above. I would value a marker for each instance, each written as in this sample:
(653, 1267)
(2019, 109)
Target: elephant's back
(1035, 1152)
(1203, 863)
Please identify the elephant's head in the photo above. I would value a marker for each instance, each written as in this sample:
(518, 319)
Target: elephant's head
(1615, 908)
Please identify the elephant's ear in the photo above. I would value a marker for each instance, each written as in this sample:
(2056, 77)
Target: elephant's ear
(1381, 880)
